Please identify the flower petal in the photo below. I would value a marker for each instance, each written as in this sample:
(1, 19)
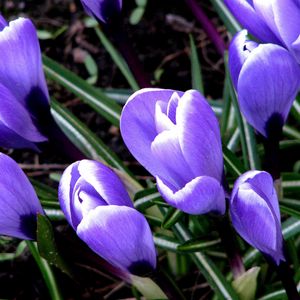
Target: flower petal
(287, 19)
(239, 50)
(201, 195)
(102, 9)
(263, 90)
(105, 181)
(245, 13)
(120, 235)
(138, 127)
(199, 135)
(19, 203)
(15, 117)
(255, 221)
(65, 193)
(166, 151)
(20, 56)
(3, 23)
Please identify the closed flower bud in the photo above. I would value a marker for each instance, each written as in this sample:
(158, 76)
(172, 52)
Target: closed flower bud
(24, 99)
(267, 80)
(255, 215)
(98, 207)
(275, 21)
(19, 204)
(176, 137)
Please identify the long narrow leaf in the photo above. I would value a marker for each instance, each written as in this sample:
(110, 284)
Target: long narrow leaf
(103, 105)
(197, 82)
(117, 58)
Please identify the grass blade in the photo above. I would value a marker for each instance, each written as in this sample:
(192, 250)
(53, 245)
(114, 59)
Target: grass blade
(197, 81)
(117, 58)
(92, 96)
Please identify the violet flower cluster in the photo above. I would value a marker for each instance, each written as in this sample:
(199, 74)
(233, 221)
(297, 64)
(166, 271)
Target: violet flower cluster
(176, 137)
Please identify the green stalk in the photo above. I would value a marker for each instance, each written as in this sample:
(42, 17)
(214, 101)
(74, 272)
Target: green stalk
(46, 271)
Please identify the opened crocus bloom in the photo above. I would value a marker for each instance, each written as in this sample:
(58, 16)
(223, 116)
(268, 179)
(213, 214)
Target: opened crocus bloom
(271, 21)
(19, 204)
(24, 99)
(102, 10)
(267, 80)
(176, 137)
(255, 215)
(98, 207)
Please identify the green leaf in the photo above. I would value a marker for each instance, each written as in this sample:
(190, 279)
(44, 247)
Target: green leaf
(290, 211)
(97, 100)
(44, 191)
(92, 146)
(197, 81)
(246, 284)
(207, 267)
(232, 163)
(147, 198)
(195, 245)
(11, 256)
(46, 271)
(136, 15)
(165, 242)
(47, 245)
(117, 58)
(291, 132)
(172, 217)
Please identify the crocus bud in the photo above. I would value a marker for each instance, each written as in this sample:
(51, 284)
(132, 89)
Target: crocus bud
(19, 204)
(274, 21)
(255, 215)
(98, 207)
(176, 137)
(24, 99)
(267, 80)
(102, 10)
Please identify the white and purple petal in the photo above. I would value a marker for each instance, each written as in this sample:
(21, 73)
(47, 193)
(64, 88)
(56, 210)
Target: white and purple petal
(201, 195)
(265, 95)
(20, 56)
(199, 135)
(120, 235)
(138, 126)
(255, 216)
(19, 203)
(246, 14)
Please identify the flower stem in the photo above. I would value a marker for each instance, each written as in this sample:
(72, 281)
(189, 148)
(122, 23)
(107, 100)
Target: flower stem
(227, 236)
(286, 277)
(207, 25)
(46, 271)
(272, 156)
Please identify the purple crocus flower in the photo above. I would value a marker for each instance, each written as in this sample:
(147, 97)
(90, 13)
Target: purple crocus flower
(98, 207)
(255, 215)
(271, 21)
(24, 99)
(19, 204)
(102, 10)
(267, 80)
(176, 137)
